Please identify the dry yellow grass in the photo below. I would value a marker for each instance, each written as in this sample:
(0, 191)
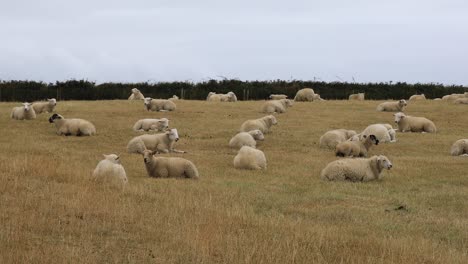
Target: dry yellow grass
(51, 212)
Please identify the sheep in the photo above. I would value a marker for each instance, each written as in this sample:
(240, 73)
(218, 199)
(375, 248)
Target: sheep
(392, 106)
(460, 148)
(331, 138)
(136, 95)
(42, 107)
(72, 126)
(414, 124)
(358, 96)
(110, 170)
(278, 96)
(461, 101)
(249, 158)
(437, 99)
(306, 94)
(161, 105)
(278, 106)
(246, 139)
(383, 132)
(174, 98)
(318, 98)
(213, 97)
(454, 96)
(229, 97)
(151, 124)
(356, 169)
(162, 142)
(356, 148)
(25, 112)
(263, 124)
(417, 97)
(162, 167)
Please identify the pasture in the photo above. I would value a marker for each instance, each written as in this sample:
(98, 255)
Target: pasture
(52, 212)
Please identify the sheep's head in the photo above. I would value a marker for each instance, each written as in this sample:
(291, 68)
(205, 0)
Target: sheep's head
(272, 119)
(257, 134)
(55, 117)
(135, 91)
(350, 133)
(148, 155)
(398, 117)
(52, 101)
(147, 102)
(374, 139)
(384, 162)
(112, 158)
(402, 102)
(288, 103)
(27, 106)
(173, 135)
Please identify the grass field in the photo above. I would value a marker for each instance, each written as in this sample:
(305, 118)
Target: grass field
(52, 212)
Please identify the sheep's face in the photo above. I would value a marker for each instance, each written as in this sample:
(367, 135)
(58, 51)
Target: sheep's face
(288, 102)
(55, 117)
(148, 155)
(273, 120)
(173, 135)
(374, 139)
(403, 102)
(258, 135)
(135, 91)
(163, 123)
(112, 158)
(27, 106)
(350, 133)
(384, 162)
(52, 101)
(398, 117)
(147, 102)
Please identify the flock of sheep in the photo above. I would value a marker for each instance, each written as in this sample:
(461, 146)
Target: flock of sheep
(352, 146)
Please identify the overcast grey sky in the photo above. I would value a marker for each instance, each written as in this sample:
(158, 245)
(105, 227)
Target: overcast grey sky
(129, 41)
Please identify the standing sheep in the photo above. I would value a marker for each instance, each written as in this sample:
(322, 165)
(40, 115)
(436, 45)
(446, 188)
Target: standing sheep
(331, 138)
(249, 158)
(276, 106)
(263, 124)
(163, 142)
(42, 107)
(414, 124)
(162, 167)
(73, 126)
(278, 96)
(356, 148)
(383, 132)
(417, 97)
(304, 95)
(136, 95)
(392, 106)
(25, 112)
(356, 169)
(460, 148)
(151, 124)
(358, 96)
(161, 105)
(246, 139)
(110, 170)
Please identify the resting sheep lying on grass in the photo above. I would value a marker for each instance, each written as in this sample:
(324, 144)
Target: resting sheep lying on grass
(392, 106)
(229, 97)
(414, 124)
(383, 132)
(278, 96)
(73, 126)
(151, 124)
(246, 139)
(356, 148)
(25, 112)
(162, 167)
(305, 95)
(417, 97)
(460, 148)
(331, 138)
(163, 142)
(358, 96)
(174, 98)
(136, 95)
(249, 158)
(42, 107)
(356, 169)
(276, 106)
(461, 101)
(110, 170)
(161, 105)
(263, 124)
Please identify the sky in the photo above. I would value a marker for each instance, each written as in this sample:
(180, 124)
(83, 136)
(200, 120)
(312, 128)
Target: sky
(142, 40)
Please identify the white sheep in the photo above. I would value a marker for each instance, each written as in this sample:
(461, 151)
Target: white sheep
(278, 96)
(249, 158)
(25, 112)
(358, 96)
(356, 148)
(392, 106)
(331, 138)
(136, 95)
(229, 97)
(461, 101)
(72, 126)
(414, 124)
(163, 142)
(151, 124)
(110, 170)
(263, 124)
(161, 105)
(276, 106)
(246, 139)
(460, 148)
(383, 132)
(43, 107)
(210, 94)
(417, 97)
(453, 97)
(306, 94)
(174, 98)
(162, 167)
(318, 98)
(356, 169)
